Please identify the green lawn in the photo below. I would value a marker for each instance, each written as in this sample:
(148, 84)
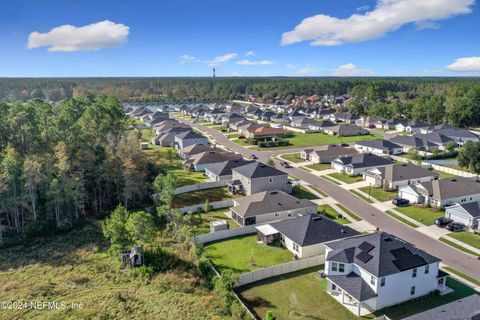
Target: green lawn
(199, 197)
(409, 308)
(331, 213)
(302, 193)
(380, 194)
(326, 177)
(185, 178)
(293, 157)
(396, 216)
(459, 247)
(147, 135)
(319, 191)
(203, 220)
(350, 213)
(457, 167)
(427, 216)
(244, 254)
(443, 175)
(463, 275)
(345, 177)
(361, 196)
(468, 237)
(319, 166)
(297, 295)
(317, 139)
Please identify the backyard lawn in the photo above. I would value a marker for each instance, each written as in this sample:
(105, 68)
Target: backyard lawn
(302, 193)
(427, 216)
(380, 194)
(319, 166)
(199, 197)
(297, 295)
(317, 139)
(293, 157)
(345, 177)
(243, 254)
(443, 175)
(331, 213)
(204, 219)
(185, 178)
(468, 237)
(147, 135)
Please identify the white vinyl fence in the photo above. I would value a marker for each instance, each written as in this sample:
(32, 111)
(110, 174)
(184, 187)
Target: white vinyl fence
(224, 234)
(201, 186)
(451, 170)
(213, 206)
(279, 269)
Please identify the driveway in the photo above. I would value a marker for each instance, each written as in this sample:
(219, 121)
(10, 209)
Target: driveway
(450, 256)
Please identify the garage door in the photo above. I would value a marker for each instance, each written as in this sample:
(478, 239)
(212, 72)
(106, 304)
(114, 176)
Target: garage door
(410, 197)
(338, 167)
(458, 217)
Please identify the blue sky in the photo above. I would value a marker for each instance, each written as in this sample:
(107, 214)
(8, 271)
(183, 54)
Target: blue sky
(247, 38)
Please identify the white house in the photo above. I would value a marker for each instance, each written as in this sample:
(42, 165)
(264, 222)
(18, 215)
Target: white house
(356, 164)
(398, 175)
(379, 147)
(467, 214)
(370, 272)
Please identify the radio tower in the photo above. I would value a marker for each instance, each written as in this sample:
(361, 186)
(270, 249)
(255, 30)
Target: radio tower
(214, 82)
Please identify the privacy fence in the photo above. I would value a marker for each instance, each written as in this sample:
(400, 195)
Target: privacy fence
(213, 206)
(200, 186)
(224, 234)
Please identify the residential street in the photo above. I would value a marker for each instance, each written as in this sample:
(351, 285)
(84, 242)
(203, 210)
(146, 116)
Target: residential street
(450, 256)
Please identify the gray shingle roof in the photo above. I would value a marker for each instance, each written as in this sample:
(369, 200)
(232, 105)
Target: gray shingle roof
(403, 171)
(225, 168)
(381, 144)
(258, 170)
(364, 160)
(467, 308)
(473, 208)
(189, 135)
(312, 229)
(451, 188)
(354, 285)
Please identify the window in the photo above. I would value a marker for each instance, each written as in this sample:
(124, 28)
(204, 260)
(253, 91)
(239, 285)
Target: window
(270, 179)
(373, 280)
(282, 238)
(412, 290)
(427, 268)
(414, 273)
(295, 247)
(341, 267)
(382, 282)
(334, 266)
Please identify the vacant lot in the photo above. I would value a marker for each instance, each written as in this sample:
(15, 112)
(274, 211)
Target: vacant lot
(380, 194)
(427, 216)
(244, 254)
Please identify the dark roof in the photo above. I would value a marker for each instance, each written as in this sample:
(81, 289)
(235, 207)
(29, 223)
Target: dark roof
(467, 308)
(225, 168)
(389, 254)
(473, 208)
(258, 170)
(450, 188)
(417, 124)
(189, 135)
(454, 132)
(381, 144)
(312, 229)
(412, 141)
(334, 150)
(435, 137)
(364, 160)
(354, 285)
(403, 171)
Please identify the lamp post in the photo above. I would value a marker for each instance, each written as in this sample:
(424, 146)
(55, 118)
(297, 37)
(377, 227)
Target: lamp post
(369, 189)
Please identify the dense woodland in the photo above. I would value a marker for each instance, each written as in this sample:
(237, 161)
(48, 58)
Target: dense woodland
(435, 100)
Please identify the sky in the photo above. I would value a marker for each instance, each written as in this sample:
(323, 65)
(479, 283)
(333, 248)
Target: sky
(62, 38)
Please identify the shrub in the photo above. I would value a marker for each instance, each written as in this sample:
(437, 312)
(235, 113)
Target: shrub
(38, 228)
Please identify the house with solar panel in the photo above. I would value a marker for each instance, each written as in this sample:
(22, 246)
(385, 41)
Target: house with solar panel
(370, 272)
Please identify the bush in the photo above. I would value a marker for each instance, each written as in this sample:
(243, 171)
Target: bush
(262, 144)
(38, 228)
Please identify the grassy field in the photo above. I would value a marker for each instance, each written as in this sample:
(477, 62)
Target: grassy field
(199, 197)
(331, 213)
(147, 135)
(399, 218)
(293, 157)
(319, 166)
(74, 267)
(302, 193)
(459, 247)
(361, 196)
(350, 213)
(317, 139)
(243, 254)
(467, 237)
(297, 295)
(345, 177)
(427, 216)
(204, 219)
(380, 194)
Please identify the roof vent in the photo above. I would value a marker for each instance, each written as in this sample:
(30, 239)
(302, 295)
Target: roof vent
(317, 218)
(274, 192)
(343, 231)
(387, 239)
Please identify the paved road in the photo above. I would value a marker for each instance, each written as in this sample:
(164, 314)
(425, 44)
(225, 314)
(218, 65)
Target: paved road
(450, 256)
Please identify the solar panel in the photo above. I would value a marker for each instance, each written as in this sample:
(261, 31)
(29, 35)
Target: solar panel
(364, 257)
(409, 263)
(401, 253)
(365, 246)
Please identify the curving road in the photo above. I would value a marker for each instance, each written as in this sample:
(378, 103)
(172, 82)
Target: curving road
(450, 256)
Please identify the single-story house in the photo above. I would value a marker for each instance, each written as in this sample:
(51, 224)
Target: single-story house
(264, 131)
(438, 140)
(305, 235)
(357, 164)
(345, 130)
(195, 149)
(343, 117)
(412, 142)
(320, 125)
(268, 206)
(465, 213)
(378, 146)
(398, 175)
(326, 153)
(391, 124)
(371, 121)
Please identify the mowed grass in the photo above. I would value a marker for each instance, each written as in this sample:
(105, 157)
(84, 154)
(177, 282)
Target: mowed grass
(185, 178)
(463, 275)
(204, 219)
(302, 193)
(293, 157)
(426, 216)
(319, 166)
(318, 139)
(199, 197)
(74, 267)
(243, 254)
(345, 177)
(297, 295)
(459, 247)
(361, 196)
(467, 237)
(399, 218)
(327, 210)
(380, 194)
(349, 212)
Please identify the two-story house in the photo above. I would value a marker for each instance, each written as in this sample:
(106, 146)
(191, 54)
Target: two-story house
(257, 177)
(185, 139)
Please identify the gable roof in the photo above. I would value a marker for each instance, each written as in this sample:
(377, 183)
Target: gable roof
(312, 229)
(450, 188)
(212, 157)
(263, 130)
(333, 150)
(225, 168)
(381, 144)
(189, 135)
(402, 171)
(258, 170)
(363, 160)
(412, 141)
(472, 208)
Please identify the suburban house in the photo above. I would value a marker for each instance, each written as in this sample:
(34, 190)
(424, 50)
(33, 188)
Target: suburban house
(465, 213)
(357, 164)
(164, 139)
(320, 125)
(269, 206)
(257, 177)
(372, 121)
(412, 142)
(398, 175)
(443, 192)
(223, 170)
(391, 124)
(227, 119)
(185, 139)
(279, 118)
(202, 161)
(264, 132)
(343, 117)
(304, 123)
(345, 130)
(304, 235)
(243, 129)
(296, 114)
(195, 149)
(370, 272)
(378, 146)
(411, 126)
(458, 135)
(438, 140)
(326, 153)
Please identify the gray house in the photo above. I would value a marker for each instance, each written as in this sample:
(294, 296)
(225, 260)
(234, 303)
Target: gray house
(204, 160)
(466, 213)
(269, 206)
(357, 164)
(398, 175)
(378, 146)
(223, 170)
(188, 138)
(257, 177)
(327, 153)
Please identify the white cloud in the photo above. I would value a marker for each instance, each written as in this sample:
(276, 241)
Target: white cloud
(350, 69)
(305, 71)
(468, 64)
(255, 62)
(236, 74)
(250, 53)
(68, 38)
(290, 66)
(186, 58)
(387, 16)
(222, 59)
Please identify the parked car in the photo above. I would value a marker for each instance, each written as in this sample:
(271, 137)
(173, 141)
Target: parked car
(455, 227)
(372, 126)
(442, 222)
(285, 164)
(254, 157)
(400, 202)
